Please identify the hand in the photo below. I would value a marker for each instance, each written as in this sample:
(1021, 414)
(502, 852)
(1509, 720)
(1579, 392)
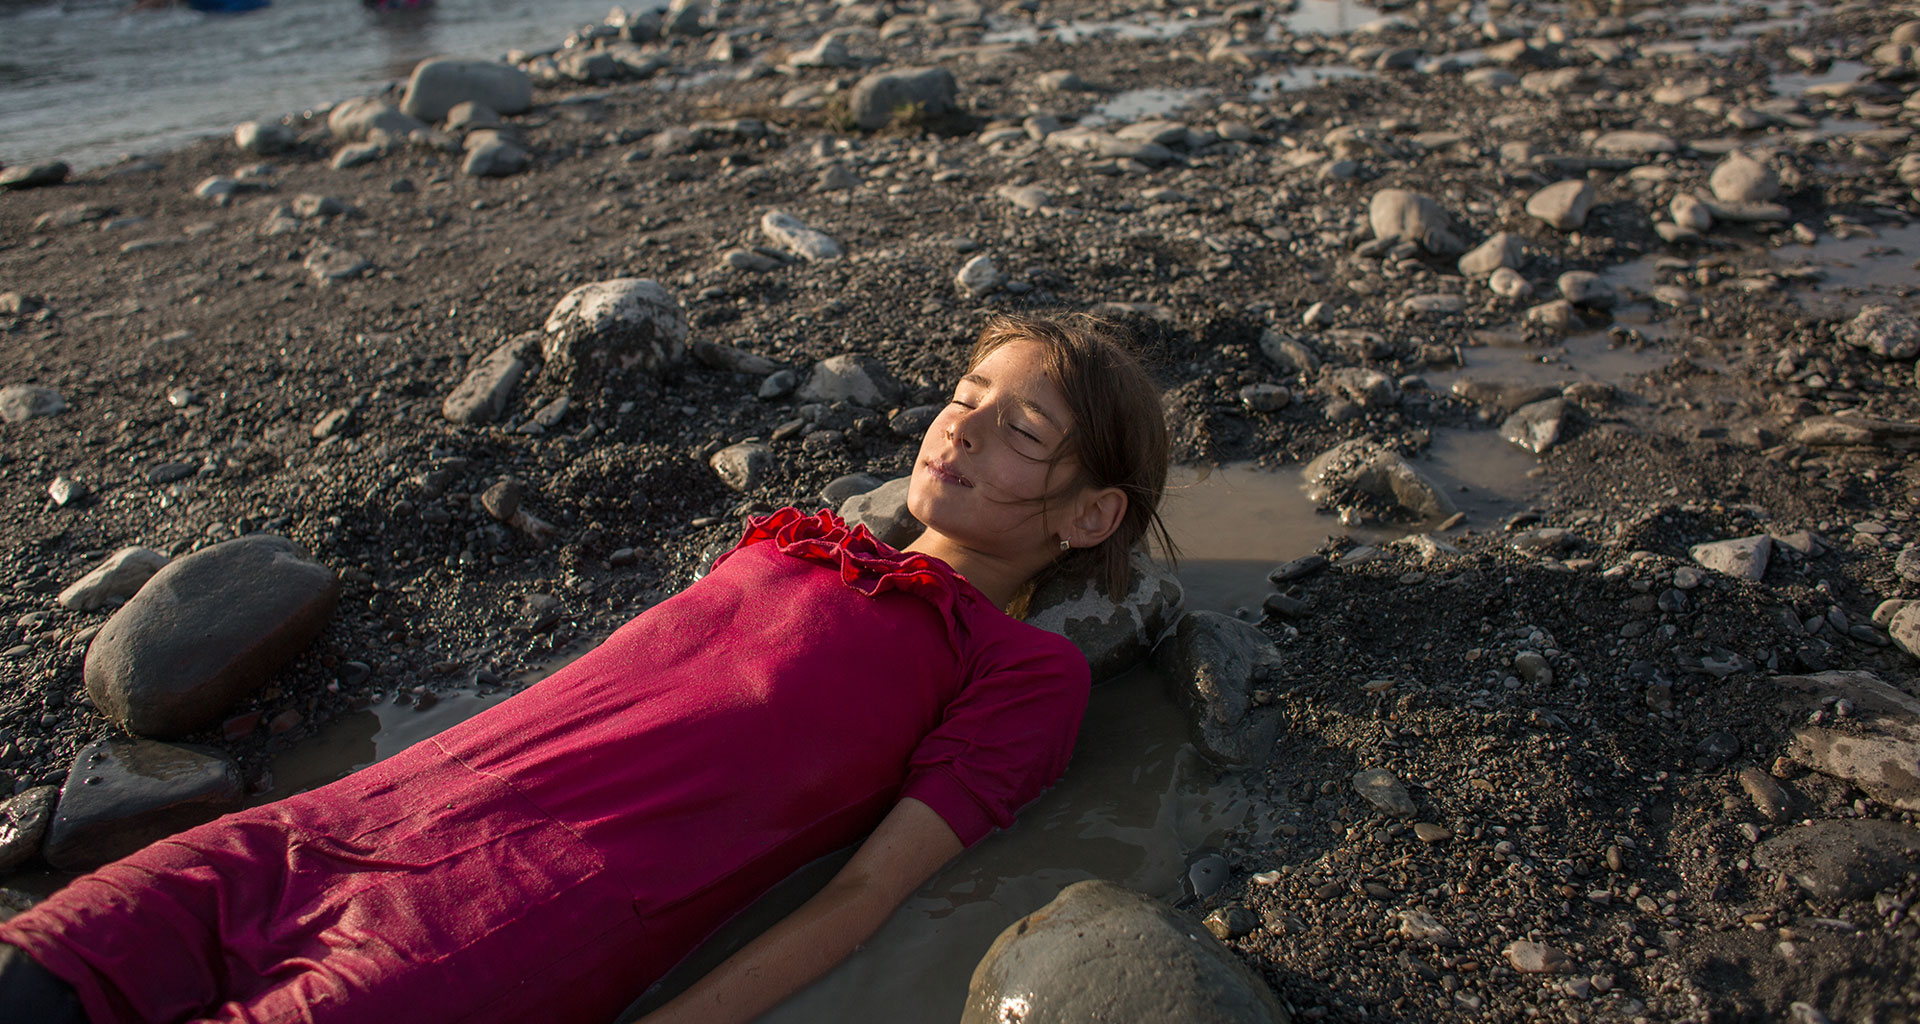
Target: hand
(910, 844)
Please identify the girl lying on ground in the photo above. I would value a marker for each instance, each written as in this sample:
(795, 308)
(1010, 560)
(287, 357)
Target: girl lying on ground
(551, 857)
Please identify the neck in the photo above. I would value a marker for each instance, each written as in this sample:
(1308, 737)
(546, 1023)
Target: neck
(998, 577)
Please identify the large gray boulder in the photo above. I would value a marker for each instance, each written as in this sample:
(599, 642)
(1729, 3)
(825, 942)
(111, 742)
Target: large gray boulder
(1360, 477)
(1877, 747)
(121, 795)
(22, 402)
(205, 631)
(625, 322)
(1214, 663)
(1114, 635)
(924, 92)
(440, 84)
(1100, 952)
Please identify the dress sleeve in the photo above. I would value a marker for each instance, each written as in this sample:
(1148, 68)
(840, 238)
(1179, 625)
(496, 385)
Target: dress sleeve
(1004, 739)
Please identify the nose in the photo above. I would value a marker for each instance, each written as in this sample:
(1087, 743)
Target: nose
(956, 436)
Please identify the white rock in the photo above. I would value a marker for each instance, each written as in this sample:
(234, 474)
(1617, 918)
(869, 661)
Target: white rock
(1884, 331)
(1739, 178)
(1690, 213)
(1563, 204)
(979, 276)
(789, 233)
(1501, 250)
(1509, 282)
(627, 321)
(1742, 557)
(1398, 213)
(116, 579)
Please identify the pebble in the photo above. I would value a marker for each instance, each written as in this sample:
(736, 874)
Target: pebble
(1427, 832)
(979, 276)
(1768, 797)
(1536, 958)
(65, 491)
(1739, 178)
(1399, 214)
(743, 467)
(789, 233)
(1564, 204)
(1384, 791)
(1742, 557)
(118, 578)
(329, 265)
(41, 175)
(21, 402)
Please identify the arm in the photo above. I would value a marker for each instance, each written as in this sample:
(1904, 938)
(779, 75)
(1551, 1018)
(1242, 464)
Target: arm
(911, 843)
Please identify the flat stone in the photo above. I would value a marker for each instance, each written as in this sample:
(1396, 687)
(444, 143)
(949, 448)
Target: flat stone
(439, 85)
(22, 402)
(1422, 926)
(860, 379)
(918, 92)
(492, 155)
(1586, 288)
(1564, 204)
(1862, 431)
(1741, 557)
(1214, 662)
(206, 630)
(481, 396)
(1690, 213)
(1099, 952)
(1843, 859)
(841, 488)
(1877, 748)
(116, 579)
(1536, 426)
(622, 323)
(1385, 791)
(121, 795)
(24, 818)
(1427, 832)
(789, 233)
(1635, 143)
(1768, 796)
(1537, 958)
(1026, 197)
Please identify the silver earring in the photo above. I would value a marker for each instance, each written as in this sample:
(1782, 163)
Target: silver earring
(1065, 544)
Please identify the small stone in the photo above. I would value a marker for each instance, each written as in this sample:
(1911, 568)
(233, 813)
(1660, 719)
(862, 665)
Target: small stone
(743, 467)
(65, 491)
(1421, 926)
(1384, 791)
(264, 138)
(1509, 283)
(1742, 558)
(789, 233)
(1503, 249)
(502, 500)
(1690, 213)
(40, 175)
(913, 92)
(1768, 797)
(1739, 178)
(979, 276)
(1399, 214)
(1536, 426)
(1537, 958)
(331, 266)
(1231, 922)
(1585, 288)
(1265, 398)
(24, 818)
(114, 580)
(1564, 204)
(1427, 832)
(1884, 331)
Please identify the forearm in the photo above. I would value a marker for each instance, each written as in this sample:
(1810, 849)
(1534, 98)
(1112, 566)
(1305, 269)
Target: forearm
(781, 961)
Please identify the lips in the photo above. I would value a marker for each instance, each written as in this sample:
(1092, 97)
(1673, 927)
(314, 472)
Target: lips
(944, 472)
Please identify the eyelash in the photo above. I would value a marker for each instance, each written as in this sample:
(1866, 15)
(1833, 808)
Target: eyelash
(1010, 426)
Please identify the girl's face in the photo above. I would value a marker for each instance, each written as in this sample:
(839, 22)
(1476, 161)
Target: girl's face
(987, 460)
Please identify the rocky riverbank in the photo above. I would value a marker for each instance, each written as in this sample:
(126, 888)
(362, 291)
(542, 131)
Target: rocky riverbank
(1668, 250)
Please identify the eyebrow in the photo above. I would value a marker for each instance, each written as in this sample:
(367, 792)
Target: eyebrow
(1028, 404)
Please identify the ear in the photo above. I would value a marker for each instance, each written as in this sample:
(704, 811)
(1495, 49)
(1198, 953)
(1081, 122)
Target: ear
(1096, 514)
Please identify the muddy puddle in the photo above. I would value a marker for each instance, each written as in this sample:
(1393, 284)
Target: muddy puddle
(1877, 265)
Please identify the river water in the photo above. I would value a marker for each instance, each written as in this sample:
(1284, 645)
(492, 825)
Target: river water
(87, 81)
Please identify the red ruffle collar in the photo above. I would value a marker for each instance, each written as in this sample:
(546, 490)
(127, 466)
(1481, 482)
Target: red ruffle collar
(865, 564)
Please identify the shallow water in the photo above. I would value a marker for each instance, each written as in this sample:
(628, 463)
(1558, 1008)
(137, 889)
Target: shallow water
(1266, 86)
(87, 82)
(1858, 271)
(1142, 104)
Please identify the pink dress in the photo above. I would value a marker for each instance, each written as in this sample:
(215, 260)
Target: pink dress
(551, 857)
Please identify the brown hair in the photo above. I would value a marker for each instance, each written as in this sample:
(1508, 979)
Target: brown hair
(1119, 432)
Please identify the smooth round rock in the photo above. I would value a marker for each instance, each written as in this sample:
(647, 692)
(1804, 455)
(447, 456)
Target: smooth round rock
(23, 825)
(206, 630)
(623, 322)
(1213, 662)
(1563, 204)
(1100, 952)
(744, 466)
(877, 98)
(1398, 213)
(1114, 633)
(116, 579)
(437, 86)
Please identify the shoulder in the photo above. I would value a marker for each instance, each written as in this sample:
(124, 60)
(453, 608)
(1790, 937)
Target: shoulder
(1008, 644)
